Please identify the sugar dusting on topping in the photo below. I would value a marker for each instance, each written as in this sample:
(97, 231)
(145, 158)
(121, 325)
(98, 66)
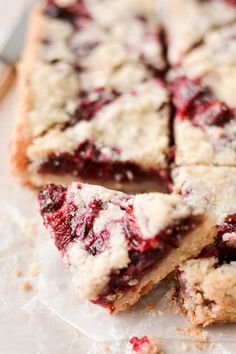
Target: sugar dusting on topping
(155, 211)
(200, 17)
(141, 120)
(217, 194)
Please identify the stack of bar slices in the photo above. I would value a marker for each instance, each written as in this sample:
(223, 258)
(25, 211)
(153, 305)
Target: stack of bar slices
(138, 96)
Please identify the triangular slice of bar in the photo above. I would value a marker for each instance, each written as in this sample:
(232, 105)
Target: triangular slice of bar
(119, 246)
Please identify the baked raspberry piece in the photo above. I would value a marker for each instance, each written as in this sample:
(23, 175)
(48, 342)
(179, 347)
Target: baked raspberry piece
(145, 345)
(93, 106)
(199, 17)
(204, 126)
(208, 284)
(117, 245)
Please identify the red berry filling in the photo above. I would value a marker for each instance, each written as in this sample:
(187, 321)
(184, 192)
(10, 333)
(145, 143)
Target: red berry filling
(197, 103)
(90, 103)
(88, 162)
(138, 343)
(68, 224)
(221, 249)
(76, 13)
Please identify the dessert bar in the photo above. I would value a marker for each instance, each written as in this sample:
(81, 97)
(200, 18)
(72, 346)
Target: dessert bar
(92, 104)
(208, 284)
(119, 246)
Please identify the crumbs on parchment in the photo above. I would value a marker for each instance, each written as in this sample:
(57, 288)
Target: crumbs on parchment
(33, 269)
(193, 331)
(26, 286)
(203, 345)
(17, 272)
(30, 227)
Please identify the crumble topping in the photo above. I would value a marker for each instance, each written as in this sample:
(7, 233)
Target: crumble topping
(141, 119)
(55, 41)
(217, 194)
(205, 127)
(214, 62)
(145, 345)
(208, 284)
(104, 231)
(199, 17)
(82, 49)
(152, 222)
(92, 273)
(55, 89)
(208, 289)
(107, 13)
(213, 145)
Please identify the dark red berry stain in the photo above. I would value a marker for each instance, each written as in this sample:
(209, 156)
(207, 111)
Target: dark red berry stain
(197, 103)
(90, 103)
(220, 249)
(68, 224)
(137, 343)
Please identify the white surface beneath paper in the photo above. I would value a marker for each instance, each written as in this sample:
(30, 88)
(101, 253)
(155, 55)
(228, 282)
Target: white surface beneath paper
(49, 318)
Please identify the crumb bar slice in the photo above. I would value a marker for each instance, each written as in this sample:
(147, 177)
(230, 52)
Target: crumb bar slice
(117, 245)
(187, 22)
(208, 284)
(92, 106)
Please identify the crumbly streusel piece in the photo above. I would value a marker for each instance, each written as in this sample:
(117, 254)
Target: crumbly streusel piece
(204, 126)
(81, 76)
(117, 245)
(208, 291)
(145, 345)
(204, 96)
(199, 17)
(208, 284)
(211, 188)
(214, 61)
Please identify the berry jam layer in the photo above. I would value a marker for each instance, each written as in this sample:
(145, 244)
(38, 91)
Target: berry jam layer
(224, 248)
(88, 162)
(198, 104)
(75, 217)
